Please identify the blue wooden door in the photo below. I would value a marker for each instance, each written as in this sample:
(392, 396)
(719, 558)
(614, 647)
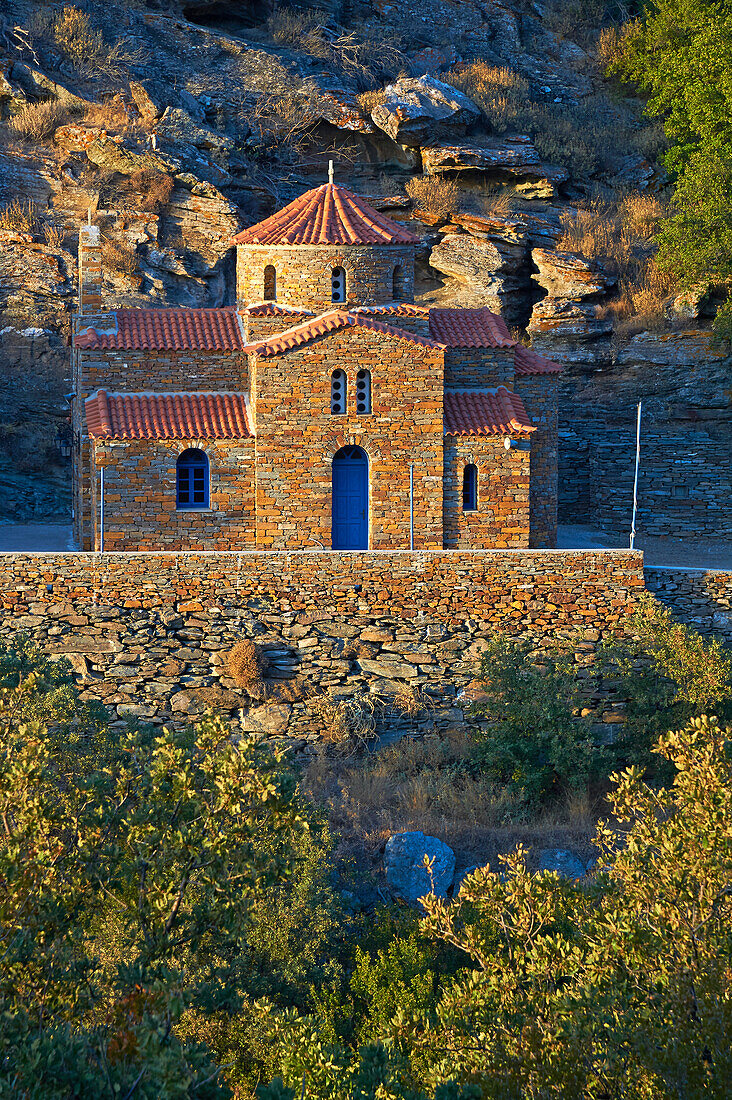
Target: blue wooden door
(350, 500)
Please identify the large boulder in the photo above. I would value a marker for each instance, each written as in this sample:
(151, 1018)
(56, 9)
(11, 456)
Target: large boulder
(492, 271)
(406, 873)
(512, 153)
(564, 863)
(415, 110)
(565, 275)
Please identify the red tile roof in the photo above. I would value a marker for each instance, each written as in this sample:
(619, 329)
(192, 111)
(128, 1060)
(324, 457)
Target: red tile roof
(497, 412)
(469, 328)
(527, 361)
(329, 214)
(164, 329)
(330, 322)
(167, 416)
(276, 309)
(393, 309)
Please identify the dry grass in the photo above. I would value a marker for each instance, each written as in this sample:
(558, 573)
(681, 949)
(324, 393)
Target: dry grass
(71, 30)
(369, 101)
(621, 236)
(501, 93)
(21, 216)
(119, 257)
(38, 121)
(282, 123)
(434, 195)
(246, 666)
(152, 189)
(430, 785)
(358, 53)
(54, 235)
(112, 115)
(347, 725)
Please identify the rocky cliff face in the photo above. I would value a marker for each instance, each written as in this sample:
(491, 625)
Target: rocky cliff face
(487, 126)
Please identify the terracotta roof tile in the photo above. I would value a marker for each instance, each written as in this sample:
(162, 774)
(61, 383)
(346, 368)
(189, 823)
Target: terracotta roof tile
(469, 328)
(393, 309)
(164, 329)
(329, 214)
(527, 361)
(330, 322)
(276, 309)
(486, 412)
(167, 416)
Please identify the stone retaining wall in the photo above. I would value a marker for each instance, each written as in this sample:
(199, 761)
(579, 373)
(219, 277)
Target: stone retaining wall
(700, 597)
(398, 633)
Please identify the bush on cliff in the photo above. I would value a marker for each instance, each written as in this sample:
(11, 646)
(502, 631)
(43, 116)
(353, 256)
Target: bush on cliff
(680, 55)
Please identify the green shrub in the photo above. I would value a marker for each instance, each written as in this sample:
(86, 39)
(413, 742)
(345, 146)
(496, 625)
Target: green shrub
(533, 742)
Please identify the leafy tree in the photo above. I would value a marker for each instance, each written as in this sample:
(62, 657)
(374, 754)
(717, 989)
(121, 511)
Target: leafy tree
(127, 875)
(533, 740)
(666, 673)
(615, 986)
(680, 54)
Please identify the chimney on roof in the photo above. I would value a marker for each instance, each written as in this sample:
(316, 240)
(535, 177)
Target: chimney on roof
(90, 268)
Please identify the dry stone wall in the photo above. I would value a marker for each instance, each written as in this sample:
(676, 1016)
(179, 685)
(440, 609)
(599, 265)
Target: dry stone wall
(149, 633)
(702, 598)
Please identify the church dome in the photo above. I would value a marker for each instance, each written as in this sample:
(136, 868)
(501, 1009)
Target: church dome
(327, 215)
(326, 248)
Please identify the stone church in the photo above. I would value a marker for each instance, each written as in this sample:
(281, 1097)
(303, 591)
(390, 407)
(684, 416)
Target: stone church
(325, 411)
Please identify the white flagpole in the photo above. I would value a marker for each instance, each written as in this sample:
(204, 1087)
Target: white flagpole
(635, 479)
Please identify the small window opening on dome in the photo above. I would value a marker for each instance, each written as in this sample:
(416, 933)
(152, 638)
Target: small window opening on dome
(338, 393)
(470, 488)
(270, 284)
(338, 285)
(398, 285)
(363, 391)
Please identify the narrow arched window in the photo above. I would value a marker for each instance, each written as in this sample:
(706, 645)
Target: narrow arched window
(337, 285)
(363, 391)
(398, 289)
(270, 284)
(470, 488)
(338, 392)
(192, 479)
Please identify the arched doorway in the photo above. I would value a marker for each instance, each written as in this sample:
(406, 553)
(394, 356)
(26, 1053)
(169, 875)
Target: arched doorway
(350, 500)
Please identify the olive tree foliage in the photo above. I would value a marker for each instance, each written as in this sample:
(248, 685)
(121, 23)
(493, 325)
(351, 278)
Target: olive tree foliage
(128, 868)
(618, 985)
(679, 53)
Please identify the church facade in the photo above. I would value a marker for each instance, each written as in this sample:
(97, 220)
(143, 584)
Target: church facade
(325, 411)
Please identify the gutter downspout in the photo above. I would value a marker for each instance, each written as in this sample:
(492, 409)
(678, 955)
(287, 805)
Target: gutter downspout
(101, 509)
(411, 507)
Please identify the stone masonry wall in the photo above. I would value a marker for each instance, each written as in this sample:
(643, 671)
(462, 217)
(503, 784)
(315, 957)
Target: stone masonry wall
(702, 598)
(297, 437)
(479, 367)
(684, 482)
(502, 517)
(149, 633)
(304, 274)
(140, 496)
(539, 395)
(138, 371)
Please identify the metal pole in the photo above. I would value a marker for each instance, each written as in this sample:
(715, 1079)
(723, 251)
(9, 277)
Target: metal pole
(635, 479)
(101, 509)
(411, 507)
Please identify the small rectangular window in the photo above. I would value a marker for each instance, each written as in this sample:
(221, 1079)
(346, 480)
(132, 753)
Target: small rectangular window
(680, 492)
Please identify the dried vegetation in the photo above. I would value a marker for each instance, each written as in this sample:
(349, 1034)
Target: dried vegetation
(435, 196)
(431, 784)
(621, 238)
